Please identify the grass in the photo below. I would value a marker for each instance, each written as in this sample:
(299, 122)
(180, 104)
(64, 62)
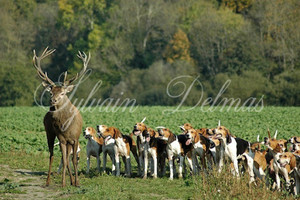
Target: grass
(22, 138)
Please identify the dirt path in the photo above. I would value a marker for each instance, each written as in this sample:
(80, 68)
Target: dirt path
(25, 184)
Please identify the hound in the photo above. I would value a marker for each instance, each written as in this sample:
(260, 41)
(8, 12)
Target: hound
(176, 146)
(235, 149)
(288, 164)
(148, 144)
(123, 145)
(201, 145)
(108, 148)
(93, 147)
(260, 162)
(276, 147)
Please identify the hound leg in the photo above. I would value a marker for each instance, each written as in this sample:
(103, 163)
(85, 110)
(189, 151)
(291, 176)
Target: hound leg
(128, 166)
(141, 161)
(287, 178)
(191, 158)
(104, 161)
(60, 166)
(88, 163)
(154, 164)
(98, 163)
(277, 179)
(236, 167)
(162, 165)
(181, 159)
(171, 167)
(113, 160)
(145, 163)
(117, 164)
(297, 185)
(221, 161)
(250, 168)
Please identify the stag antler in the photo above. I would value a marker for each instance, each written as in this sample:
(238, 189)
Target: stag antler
(37, 64)
(85, 60)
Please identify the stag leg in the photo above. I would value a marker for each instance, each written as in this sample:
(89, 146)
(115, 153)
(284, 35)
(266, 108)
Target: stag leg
(63, 149)
(75, 147)
(50, 139)
(69, 149)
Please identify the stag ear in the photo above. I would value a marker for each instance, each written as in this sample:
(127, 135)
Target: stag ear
(47, 86)
(69, 88)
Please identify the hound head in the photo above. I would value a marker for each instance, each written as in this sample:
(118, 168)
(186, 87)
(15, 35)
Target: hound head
(286, 158)
(273, 143)
(166, 134)
(89, 132)
(192, 136)
(100, 129)
(256, 146)
(139, 128)
(105, 131)
(221, 132)
(185, 127)
(152, 133)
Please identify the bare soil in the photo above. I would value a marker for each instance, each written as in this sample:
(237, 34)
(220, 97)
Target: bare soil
(30, 184)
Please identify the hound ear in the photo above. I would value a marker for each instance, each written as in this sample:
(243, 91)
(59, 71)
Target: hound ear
(293, 161)
(296, 139)
(171, 138)
(228, 138)
(117, 132)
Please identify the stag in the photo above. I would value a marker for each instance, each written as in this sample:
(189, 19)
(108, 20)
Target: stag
(63, 120)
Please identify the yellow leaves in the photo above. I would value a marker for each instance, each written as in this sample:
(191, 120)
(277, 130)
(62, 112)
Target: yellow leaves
(67, 13)
(178, 48)
(94, 37)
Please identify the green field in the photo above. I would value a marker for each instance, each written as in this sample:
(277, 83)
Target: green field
(23, 146)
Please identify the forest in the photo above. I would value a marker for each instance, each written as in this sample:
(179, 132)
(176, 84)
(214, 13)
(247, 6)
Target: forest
(138, 46)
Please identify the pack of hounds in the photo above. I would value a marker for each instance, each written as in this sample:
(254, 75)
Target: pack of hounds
(213, 147)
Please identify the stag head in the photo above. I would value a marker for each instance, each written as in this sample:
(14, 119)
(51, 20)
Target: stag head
(58, 91)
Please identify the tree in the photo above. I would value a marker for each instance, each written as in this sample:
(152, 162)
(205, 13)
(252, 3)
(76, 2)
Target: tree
(178, 48)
